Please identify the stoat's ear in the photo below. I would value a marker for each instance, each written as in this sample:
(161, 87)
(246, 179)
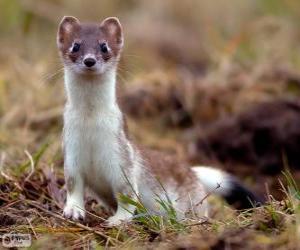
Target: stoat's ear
(66, 27)
(113, 29)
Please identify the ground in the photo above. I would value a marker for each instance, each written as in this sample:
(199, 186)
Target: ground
(211, 82)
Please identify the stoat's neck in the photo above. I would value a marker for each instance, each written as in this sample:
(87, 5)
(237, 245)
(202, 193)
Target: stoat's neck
(91, 93)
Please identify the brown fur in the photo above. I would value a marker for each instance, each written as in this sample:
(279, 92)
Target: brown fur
(167, 167)
(89, 36)
(160, 171)
(70, 184)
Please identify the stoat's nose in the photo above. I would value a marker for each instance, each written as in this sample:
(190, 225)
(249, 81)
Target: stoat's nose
(89, 62)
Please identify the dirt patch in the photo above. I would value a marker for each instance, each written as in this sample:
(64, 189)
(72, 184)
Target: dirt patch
(262, 137)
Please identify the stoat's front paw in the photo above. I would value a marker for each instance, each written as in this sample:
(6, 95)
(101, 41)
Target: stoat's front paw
(74, 212)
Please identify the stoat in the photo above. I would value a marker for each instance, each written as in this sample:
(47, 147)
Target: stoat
(97, 152)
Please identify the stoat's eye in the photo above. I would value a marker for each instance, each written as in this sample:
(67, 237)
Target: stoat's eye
(76, 47)
(103, 47)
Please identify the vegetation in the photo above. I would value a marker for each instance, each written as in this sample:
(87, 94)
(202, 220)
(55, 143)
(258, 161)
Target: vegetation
(217, 58)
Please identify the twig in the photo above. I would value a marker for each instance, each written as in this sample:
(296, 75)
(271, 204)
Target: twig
(208, 194)
(31, 227)
(9, 204)
(94, 215)
(199, 223)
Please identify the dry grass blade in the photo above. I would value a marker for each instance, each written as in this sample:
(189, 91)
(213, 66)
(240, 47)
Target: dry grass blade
(38, 206)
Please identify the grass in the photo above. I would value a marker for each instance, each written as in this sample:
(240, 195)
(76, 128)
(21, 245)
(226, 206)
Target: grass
(217, 58)
(30, 206)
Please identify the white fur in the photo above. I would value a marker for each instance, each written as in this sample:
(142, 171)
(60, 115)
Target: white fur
(92, 122)
(214, 180)
(94, 144)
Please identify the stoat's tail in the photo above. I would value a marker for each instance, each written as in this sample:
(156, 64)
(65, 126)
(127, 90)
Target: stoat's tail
(216, 181)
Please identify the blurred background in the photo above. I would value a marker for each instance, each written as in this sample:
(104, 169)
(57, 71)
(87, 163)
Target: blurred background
(212, 81)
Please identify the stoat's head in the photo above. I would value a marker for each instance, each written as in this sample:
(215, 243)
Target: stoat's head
(90, 48)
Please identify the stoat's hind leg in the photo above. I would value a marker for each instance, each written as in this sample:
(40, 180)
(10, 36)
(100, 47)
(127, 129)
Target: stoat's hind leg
(125, 210)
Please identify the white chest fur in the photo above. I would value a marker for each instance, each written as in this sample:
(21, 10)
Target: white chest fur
(98, 154)
(92, 123)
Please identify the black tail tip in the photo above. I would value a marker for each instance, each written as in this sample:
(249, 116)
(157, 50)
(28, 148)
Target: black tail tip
(241, 197)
